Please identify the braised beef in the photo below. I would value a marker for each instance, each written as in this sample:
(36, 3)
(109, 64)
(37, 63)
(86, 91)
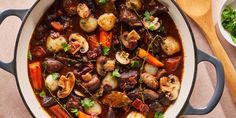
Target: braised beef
(129, 17)
(53, 65)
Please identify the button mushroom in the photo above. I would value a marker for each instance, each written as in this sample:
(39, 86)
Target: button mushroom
(92, 84)
(54, 44)
(51, 83)
(67, 84)
(81, 42)
(122, 57)
(171, 86)
(137, 4)
(170, 46)
(150, 80)
(150, 94)
(107, 21)
(83, 10)
(130, 40)
(110, 80)
(110, 65)
(88, 24)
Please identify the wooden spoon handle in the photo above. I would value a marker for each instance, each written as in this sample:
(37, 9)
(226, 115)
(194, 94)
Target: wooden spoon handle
(218, 50)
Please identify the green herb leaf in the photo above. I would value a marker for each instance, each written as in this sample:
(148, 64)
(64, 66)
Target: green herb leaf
(105, 51)
(135, 64)
(158, 115)
(87, 103)
(116, 73)
(65, 46)
(55, 76)
(147, 15)
(152, 27)
(29, 56)
(42, 94)
(103, 1)
(75, 111)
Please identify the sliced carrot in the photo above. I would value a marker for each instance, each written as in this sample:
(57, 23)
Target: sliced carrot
(58, 112)
(149, 58)
(57, 26)
(105, 39)
(83, 115)
(93, 42)
(36, 75)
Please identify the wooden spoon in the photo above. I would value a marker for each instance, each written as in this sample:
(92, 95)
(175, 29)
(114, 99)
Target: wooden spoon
(200, 11)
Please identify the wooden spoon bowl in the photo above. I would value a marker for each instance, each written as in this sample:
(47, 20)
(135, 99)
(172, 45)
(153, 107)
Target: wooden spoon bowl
(200, 11)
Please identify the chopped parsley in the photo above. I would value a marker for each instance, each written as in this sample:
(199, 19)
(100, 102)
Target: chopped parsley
(65, 46)
(147, 15)
(152, 26)
(42, 94)
(29, 56)
(105, 51)
(103, 1)
(87, 103)
(116, 73)
(158, 115)
(55, 76)
(75, 111)
(229, 21)
(135, 64)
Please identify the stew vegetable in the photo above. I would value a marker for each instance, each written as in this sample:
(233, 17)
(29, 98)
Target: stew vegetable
(106, 59)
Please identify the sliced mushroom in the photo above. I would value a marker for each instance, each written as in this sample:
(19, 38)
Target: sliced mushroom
(93, 84)
(99, 65)
(95, 109)
(77, 92)
(135, 114)
(81, 41)
(83, 10)
(88, 24)
(55, 44)
(170, 46)
(171, 85)
(87, 77)
(107, 21)
(152, 23)
(67, 84)
(116, 99)
(110, 80)
(51, 84)
(130, 40)
(150, 80)
(123, 57)
(131, 4)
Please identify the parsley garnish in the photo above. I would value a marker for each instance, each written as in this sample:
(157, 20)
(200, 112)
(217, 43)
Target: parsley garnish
(147, 15)
(158, 115)
(229, 21)
(135, 64)
(74, 111)
(29, 56)
(65, 46)
(103, 1)
(42, 94)
(87, 103)
(105, 50)
(55, 76)
(116, 73)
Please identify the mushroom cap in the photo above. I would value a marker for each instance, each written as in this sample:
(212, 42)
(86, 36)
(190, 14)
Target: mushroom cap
(99, 65)
(84, 46)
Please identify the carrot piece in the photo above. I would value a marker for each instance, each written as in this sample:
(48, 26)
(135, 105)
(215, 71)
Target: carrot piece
(105, 39)
(57, 25)
(83, 115)
(36, 75)
(149, 58)
(93, 42)
(58, 112)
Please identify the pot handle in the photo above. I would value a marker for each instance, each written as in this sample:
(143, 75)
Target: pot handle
(190, 110)
(15, 12)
